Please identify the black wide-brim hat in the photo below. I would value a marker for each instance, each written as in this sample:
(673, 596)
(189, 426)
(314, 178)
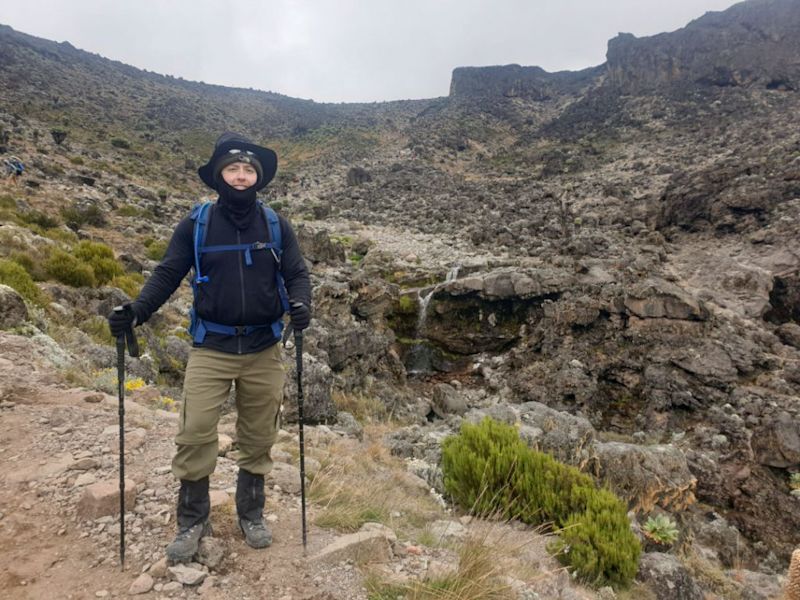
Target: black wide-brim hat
(233, 141)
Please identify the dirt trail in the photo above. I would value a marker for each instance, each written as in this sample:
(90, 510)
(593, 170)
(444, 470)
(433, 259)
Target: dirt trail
(49, 552)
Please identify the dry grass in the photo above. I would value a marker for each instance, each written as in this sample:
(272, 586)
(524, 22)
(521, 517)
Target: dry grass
(482, 571)
(362, 482)
(365, 409)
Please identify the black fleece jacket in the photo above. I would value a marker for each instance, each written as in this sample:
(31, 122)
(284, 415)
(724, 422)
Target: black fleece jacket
(235, 294)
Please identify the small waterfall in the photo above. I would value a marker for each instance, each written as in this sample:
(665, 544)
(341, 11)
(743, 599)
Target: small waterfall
(424, 301)
(419, 360)
(452, 274)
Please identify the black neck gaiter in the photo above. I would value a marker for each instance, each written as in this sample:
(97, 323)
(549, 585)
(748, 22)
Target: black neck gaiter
(239, 206)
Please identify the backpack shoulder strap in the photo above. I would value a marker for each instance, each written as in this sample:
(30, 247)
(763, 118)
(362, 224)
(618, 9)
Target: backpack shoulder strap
(276, 246)
(274, 228)
(199, 215)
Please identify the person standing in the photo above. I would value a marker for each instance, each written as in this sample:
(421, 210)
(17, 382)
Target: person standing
(236, 327)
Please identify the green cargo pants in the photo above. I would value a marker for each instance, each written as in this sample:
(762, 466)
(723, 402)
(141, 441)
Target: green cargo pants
(259, 381)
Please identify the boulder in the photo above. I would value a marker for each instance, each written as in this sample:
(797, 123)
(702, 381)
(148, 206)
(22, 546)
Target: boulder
(567, 437)
(318, 247)
(789, 334)
(141, 585)
(13, 311)
(361, 547)
(777, 443)
(647, 476)
(660, 299)
(358, 176)
(285, 476)
(667, 578)
(102, 499)
(317, 382)
(187, 574)
(447, 401)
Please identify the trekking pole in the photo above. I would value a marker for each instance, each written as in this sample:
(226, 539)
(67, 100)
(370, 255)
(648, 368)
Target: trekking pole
(133, 350)
(298, 342)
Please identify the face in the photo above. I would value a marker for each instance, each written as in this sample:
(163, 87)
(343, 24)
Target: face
(239, 175)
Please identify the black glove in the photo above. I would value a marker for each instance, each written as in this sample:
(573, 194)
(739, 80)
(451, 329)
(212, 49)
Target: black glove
(121, 319)
(300, 314)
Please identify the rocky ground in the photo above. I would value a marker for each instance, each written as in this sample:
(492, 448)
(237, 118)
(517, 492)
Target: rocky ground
(612, 269)
(59, 511)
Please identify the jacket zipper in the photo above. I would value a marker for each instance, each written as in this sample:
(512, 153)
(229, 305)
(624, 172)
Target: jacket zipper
(241, 286)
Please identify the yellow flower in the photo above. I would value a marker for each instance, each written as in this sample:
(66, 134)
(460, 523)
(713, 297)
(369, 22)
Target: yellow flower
(134, 384)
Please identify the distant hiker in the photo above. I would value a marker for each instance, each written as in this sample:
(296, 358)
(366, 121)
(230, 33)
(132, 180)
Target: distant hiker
(242, 254)
(14, 169)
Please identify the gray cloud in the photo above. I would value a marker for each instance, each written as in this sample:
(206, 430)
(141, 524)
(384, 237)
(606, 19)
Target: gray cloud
(346, 50)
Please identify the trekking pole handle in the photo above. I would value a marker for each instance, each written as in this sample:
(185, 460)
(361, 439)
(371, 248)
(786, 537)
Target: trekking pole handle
(129, 336)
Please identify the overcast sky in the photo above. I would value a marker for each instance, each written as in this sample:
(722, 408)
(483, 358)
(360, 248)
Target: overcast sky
(346, 50)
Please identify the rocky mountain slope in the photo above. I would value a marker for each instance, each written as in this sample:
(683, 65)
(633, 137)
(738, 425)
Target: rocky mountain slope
(606, 258)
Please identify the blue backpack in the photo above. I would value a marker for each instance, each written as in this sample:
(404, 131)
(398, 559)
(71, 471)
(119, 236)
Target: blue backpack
(199, 327)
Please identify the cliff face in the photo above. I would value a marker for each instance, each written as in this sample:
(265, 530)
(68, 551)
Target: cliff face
(754, 43)
(513, 81)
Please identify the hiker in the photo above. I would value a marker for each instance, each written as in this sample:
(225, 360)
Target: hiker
(14, 169)
(236, 326)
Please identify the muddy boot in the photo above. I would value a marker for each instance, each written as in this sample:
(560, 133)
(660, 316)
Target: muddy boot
(194, 506)
(249, 507)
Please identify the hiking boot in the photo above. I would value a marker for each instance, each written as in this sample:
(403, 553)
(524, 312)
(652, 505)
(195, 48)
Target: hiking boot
(194, 506)
(250, 506)
(256, 533)
(186, 543)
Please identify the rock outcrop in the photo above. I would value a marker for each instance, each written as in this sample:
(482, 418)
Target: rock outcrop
(754, 43)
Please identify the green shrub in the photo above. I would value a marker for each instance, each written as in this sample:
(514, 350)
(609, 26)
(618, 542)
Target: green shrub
(488, 469)
(64, 267)
(45, 221)
(156, 249)
(32, 265)
(76, 217)
(130, 283)
(129, 210)
(76, 160)
(15, 276)
(120, 143)
(101, 260)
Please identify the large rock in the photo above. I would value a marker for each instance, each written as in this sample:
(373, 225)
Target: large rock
(568, 438)
(13, 311)
(647, 476)
(667, 578)
(318, 247)
(102, 499)
(777, 444)
(789, 334)
(361, 547)
(447, 401)
(318, 405)
(657, 298)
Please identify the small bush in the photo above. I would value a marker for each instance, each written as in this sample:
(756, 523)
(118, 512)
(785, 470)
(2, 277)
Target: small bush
(15, 276)
(489, 470)
(130, 283)
(30, 264)
(45, 221)
(76, 160)
(121, 143)
(156, 249)
(76, 217)
(100, 258)
(65, 268)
